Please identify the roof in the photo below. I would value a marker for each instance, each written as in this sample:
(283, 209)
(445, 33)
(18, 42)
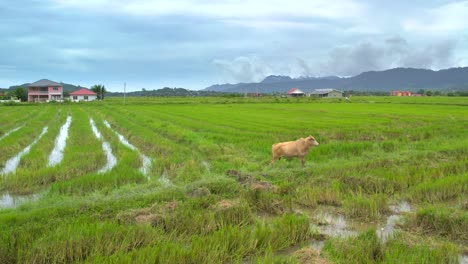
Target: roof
(295, 91)
(83, 91)
(324, 91)
(44, 83)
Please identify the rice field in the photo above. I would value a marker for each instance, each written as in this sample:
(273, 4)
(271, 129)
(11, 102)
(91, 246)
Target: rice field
(189, 180)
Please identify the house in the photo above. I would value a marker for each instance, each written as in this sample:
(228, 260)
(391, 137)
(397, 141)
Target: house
(44, 91)
(83, 94)
(400, 93)
(328, 93)
(295, 92)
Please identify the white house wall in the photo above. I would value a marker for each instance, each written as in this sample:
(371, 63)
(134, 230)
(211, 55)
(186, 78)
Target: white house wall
(82, 98)
(334, 94)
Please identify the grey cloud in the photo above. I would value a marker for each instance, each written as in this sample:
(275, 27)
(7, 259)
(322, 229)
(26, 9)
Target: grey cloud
(397, 41)
(396, 45)
(304, 68)
(344, 60)
(352, 60)
(243, 69)
(394, 52)
(437, 55)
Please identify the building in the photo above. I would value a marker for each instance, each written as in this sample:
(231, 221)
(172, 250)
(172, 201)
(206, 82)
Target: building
(44, 91)
(400, 93)
(328, 93)
(83, 94)
(295, 92)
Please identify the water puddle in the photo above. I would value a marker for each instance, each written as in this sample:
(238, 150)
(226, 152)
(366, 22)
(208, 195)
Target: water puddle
(56, 155)
(403, 207)
(8, 200)
(111, 159)
(330, 225)
(9, 132)
(207, 166)
(121, 138)
(327, 225)
(146, 165)
(463, 259)
(12, 164)
(145, 160)
(385, 232)
(317, 244)
(334, 226)
(165, 180)
(95, 130)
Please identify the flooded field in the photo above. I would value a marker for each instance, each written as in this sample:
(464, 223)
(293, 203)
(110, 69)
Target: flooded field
(11, 164)
(146, 161)
(9, 132)
(111, 159)
(8, 200)
(189, 180)
(56, 155)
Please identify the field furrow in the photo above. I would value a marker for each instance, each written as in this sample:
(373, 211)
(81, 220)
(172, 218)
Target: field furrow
(189, 180)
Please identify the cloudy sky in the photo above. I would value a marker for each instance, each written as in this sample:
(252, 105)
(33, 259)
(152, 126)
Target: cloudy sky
(195, 43)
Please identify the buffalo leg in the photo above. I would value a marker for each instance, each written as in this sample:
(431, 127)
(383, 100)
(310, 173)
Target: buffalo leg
(274, 159)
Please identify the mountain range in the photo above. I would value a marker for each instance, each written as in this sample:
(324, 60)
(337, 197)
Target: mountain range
(452, 79)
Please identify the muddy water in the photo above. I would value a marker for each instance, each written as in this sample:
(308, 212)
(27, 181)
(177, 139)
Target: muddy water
(403, 207)
(329, 224)
(111, 159)
(335, 226)
(385, 232)
(12, 164)
(146, 161)
(463, 259)
(165, 180)
(146, 164)
(121, 138)
(56, 155)
(8, 200)
(332, 226)
(9, 132)
(317, 244)
(207, 166)
(95, 130)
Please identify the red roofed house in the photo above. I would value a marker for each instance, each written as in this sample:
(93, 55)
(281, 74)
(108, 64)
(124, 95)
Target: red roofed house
(295, 92)
(44, 91)
(400, 93)
(83, 94)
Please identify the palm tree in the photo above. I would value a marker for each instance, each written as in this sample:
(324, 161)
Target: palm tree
(100, 90)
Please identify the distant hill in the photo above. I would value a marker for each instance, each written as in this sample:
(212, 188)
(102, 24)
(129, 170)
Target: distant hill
(453, 79)
(166, 91)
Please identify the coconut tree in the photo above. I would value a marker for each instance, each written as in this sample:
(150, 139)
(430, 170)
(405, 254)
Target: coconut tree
(100, 90)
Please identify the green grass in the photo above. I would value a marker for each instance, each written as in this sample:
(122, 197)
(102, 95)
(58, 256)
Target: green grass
(441, 221)
(366, 208)
(366, 248)
(211, 195)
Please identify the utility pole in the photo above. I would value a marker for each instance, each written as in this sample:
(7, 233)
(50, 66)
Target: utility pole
(125, 87)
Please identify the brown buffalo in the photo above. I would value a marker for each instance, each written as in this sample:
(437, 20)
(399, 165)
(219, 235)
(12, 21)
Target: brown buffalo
(299, 148)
